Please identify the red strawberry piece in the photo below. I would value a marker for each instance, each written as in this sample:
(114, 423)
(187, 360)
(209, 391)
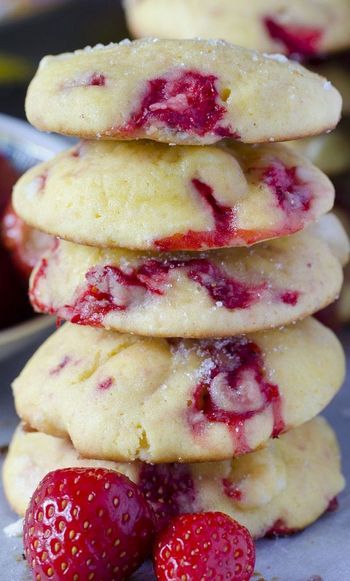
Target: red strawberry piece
(184, 100)
(204, 546)
(87, 524)
(169, 489)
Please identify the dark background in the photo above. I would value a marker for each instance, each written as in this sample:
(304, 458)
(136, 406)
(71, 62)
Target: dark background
(71, 25)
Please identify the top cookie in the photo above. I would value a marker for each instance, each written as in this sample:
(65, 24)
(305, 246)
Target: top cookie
(179, 91)
(294, 28)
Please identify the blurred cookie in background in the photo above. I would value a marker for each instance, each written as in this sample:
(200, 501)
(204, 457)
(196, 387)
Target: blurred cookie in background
(298, 28)
(338, 313)
(16, 8)
(330, 152)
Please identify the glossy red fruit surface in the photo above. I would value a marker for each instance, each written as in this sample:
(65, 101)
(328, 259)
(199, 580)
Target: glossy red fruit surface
(204, 546)
(87, 523)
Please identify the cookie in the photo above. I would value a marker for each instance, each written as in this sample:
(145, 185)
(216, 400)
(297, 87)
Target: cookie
(218, 293)
(337, 70)
(124, 397)
(179, 91)
(329, 152)
(145, 195)
(262, 490)
(297, 28)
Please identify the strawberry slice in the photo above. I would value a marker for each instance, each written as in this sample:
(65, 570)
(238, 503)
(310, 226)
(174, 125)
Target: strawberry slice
(204, 546)
(87, 523)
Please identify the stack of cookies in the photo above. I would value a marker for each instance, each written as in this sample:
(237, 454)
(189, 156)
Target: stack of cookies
(316, 33)
(187, 263)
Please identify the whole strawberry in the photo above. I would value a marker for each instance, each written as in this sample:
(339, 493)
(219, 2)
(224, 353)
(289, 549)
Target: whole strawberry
(87, 523)
(204, 546)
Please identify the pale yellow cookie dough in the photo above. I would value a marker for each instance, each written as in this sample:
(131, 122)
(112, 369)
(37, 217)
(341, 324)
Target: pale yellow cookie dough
(319, 26)
(286, 486)
(207, 294)
(124, 397)
(146, 195)
(179, 91)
